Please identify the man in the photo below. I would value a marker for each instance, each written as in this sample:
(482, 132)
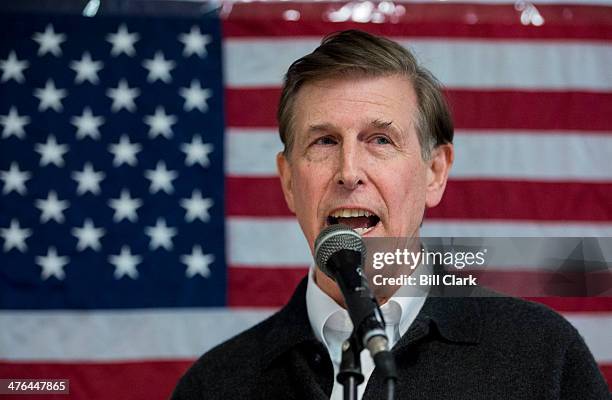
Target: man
(368, 143)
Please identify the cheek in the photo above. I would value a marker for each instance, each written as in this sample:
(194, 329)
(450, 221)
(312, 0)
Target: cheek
(309, 187)
(407, 192)
(309, 183)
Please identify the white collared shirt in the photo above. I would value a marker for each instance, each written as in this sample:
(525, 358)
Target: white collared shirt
(332, 325)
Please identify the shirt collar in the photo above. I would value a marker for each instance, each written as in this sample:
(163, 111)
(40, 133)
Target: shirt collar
(322, 309)
(457, 319)
(319, 305)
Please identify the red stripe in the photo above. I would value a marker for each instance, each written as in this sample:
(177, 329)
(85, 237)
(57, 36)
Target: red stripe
(240, 192)
(606, 370)
(113, 380)
(464, 199)
(456, 30)
(521, 200)
(142, 380)
(252, 286)
(576, 304)
(262, 287)
(530, 110)
(472, 109)
(264, 100)
(424, 20)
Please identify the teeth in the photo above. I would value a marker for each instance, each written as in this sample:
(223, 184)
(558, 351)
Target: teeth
(350, 212)
(363, 231)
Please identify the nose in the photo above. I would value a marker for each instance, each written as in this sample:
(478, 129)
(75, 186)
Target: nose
(350, 174)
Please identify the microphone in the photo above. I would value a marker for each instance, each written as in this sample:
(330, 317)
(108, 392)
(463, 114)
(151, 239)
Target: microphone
(339, 253)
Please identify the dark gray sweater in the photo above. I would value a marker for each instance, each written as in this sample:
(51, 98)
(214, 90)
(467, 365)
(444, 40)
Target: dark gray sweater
(457, 348)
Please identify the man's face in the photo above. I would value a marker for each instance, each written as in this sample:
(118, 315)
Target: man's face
(356, 158)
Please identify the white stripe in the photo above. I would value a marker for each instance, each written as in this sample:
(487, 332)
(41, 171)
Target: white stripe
(118, 335)
(439, 228)
(266, 242)
(171, 334)
(276, 242)
(501, 155)
(534, 156)
(456, 63)
(595, 329)
(251, 152)
(527, 254)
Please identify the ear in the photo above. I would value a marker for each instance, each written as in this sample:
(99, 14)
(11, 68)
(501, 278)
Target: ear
(284, 171)
(439, 166)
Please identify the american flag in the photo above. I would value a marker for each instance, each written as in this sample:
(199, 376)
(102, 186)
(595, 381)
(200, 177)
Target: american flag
(141, 219)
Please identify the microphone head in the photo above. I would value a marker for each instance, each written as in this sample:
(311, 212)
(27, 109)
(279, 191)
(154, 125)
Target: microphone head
(335, 238)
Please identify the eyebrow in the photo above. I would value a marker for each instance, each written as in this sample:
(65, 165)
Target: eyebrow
(380, 124)
(326, 127)
(376, 123)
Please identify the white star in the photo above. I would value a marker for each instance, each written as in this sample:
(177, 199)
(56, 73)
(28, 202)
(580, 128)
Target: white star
(87, 124)
(197, 262)
(123, 96)
(161, 178)
(160, 123)
(197, 207)
(14, 179)
(88, 180)
(51, 152)
(88, 236)
(125, 207)
(159, 68)
(125, 263)
(52, 265)
(197, 152)
(52, 208)
(195, 42)
(12, 68)
(86, 69)
(124, 151)
(13, 124)
(161, 235)
(122, 41)
(15, 236)
(49, 41)
(195, 96)
(50, 97)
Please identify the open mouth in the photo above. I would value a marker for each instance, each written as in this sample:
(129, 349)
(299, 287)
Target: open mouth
(362, 221)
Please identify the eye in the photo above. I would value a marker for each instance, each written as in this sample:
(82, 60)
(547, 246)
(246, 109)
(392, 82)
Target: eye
(325, 141)
(381, 140)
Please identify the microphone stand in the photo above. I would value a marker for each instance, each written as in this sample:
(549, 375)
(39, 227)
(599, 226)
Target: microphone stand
(349, 375)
